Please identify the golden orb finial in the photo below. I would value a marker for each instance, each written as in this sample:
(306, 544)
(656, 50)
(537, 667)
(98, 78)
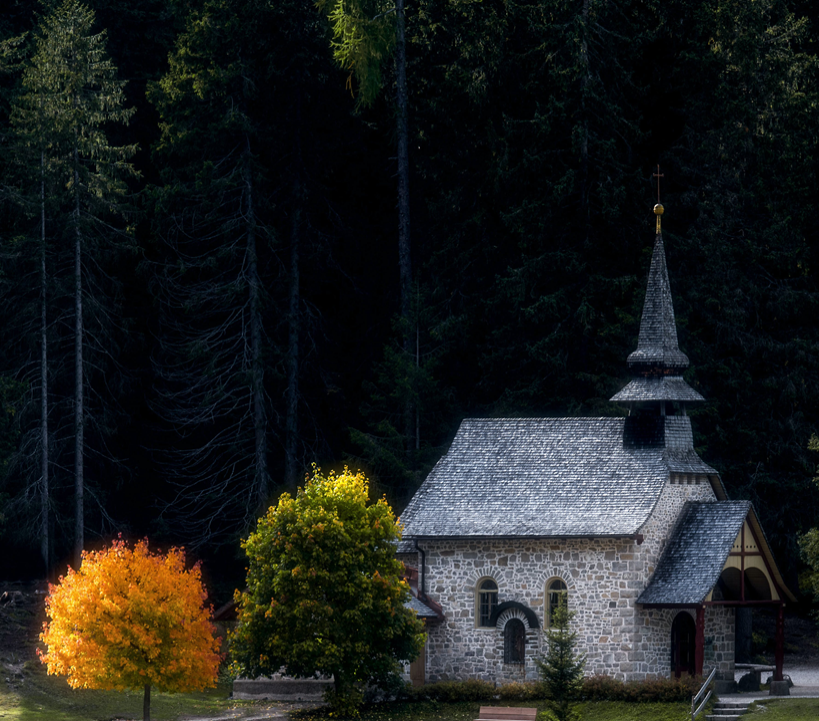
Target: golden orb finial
(658, 209)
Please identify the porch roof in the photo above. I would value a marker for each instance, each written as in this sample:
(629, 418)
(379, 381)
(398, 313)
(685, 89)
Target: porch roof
(696, 553)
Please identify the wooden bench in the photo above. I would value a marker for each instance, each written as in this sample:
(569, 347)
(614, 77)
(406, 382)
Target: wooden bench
(506, 713)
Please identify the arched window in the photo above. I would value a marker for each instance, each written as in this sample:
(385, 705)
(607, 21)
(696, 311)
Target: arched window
(487, 601)
(556, 595)
(514, 641)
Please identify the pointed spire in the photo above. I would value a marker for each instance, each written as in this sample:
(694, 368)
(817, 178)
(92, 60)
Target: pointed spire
(657, 349)
(658, 362)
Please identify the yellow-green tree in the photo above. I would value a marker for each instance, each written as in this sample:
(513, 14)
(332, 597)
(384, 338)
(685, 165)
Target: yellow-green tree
(809, 546)
(324, 590)
(129, 619)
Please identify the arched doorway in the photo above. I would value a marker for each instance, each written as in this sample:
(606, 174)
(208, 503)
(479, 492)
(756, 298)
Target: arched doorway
(683, 634)
(514, 641)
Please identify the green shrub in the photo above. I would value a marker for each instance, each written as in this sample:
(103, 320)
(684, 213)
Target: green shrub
(472, 689)
(517, 691)
(595, 688)
(666, 690)
(602, 688)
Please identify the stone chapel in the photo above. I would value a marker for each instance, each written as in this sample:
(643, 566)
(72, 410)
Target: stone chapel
(619, 517)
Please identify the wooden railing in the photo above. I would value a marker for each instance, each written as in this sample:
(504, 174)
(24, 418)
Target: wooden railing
(696, 710)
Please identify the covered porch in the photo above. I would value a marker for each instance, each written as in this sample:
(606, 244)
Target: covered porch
(717, 558)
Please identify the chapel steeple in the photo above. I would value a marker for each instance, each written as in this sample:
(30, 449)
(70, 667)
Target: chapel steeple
(658, 362)
(658, 352)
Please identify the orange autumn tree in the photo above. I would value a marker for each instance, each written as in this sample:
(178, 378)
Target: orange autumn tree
(131, 619)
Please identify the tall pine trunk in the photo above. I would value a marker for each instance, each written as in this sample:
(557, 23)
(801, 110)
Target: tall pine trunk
(404, 246)
(291, 456)
(256, 366)
(292, 417)
(44, 489)
(79, 485)
(585, 184)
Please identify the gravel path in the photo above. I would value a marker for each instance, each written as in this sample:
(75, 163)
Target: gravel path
(801, 675)
(273, 712)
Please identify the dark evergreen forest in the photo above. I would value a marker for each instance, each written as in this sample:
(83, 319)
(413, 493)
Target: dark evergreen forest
(226, 207)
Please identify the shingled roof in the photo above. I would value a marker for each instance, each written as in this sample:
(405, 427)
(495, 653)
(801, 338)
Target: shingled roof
(421, 609)
(550, 477)
(657, 344)
(665, 388)
(658, 362)
(693, 559)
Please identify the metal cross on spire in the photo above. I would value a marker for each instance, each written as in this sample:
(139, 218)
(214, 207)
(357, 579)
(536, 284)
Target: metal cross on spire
(658, 209)
(658, 175)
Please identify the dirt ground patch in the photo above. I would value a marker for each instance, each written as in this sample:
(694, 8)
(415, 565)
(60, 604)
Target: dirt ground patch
(22, 614)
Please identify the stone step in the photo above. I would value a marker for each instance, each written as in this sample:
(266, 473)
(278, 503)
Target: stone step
(728, 710)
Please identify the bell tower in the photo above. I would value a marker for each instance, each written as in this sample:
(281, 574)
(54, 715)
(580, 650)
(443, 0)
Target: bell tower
(657, 386)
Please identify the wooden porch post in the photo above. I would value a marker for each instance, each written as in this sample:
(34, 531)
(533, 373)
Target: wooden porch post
(699, 641)
(779, 653)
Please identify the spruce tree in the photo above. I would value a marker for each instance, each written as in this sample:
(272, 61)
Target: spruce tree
(210, 216)
(245, 132)
(363, 38)
(562, 667)
(745, 234)
(71, 93)
(26, 178)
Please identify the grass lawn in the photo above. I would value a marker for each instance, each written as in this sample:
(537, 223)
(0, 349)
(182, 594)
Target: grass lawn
(591, 711)
(37, 697)
(44, 698)
(796, 709)
(792, 709)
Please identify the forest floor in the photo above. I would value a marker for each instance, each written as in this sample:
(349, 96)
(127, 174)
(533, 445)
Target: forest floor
(28, 694)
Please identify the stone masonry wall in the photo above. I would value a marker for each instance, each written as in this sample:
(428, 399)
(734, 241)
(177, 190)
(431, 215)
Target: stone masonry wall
(595, 572)
(604, 578)
(652, 641)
